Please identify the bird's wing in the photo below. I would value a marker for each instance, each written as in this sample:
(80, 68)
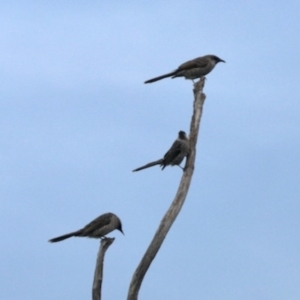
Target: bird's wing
(99, 222)
(194, 63)
(173, 152)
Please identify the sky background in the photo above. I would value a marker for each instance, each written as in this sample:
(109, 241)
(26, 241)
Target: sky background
(76, 118)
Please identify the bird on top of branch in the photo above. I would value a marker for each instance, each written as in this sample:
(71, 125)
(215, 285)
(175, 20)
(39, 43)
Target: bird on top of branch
(192, 69)
(98, 228)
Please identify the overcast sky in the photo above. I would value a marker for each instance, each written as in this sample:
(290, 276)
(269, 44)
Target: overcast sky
(76, 118)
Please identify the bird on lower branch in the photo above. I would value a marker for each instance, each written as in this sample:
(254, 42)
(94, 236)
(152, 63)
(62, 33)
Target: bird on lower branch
(178, 151)
(98, 228)
(192, 69)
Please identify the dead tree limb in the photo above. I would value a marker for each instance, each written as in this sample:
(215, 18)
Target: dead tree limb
(179, 199)
(98, 275)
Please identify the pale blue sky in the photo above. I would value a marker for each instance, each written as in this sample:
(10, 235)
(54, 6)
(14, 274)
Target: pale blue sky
(76, 118)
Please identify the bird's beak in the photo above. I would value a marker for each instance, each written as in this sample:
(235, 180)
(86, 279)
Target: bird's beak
(122, 231)
(221, 60)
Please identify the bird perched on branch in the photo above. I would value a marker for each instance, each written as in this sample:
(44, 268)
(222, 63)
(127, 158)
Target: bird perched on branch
(98, 228)
(178, 151)
(192, 69)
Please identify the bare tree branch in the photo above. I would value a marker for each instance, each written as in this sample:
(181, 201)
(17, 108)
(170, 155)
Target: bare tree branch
(179, 199)
(98, 275)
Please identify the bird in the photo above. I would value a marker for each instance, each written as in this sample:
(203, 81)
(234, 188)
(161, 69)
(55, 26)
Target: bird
(192, 69)
(98, 228)
(178, 151)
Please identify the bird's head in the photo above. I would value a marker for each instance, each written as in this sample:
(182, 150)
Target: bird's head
(217, 59)
(182, 135)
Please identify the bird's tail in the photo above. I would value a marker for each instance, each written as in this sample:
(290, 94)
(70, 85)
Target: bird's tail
(160, 77)
(63, 237)
(180, 74)
(154, 163)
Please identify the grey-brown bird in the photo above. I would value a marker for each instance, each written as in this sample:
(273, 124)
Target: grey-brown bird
(98, 228)
(192, 69)
(178, 151)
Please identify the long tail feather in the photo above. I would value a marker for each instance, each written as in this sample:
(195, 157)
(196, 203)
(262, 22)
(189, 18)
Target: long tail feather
(160, 77)
(154, 163)
(62, 237)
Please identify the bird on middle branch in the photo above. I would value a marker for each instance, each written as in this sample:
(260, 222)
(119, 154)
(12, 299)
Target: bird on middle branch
(178, 151)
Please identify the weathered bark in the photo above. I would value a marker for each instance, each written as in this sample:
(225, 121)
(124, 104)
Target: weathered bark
(179, 199)
(98, 275)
